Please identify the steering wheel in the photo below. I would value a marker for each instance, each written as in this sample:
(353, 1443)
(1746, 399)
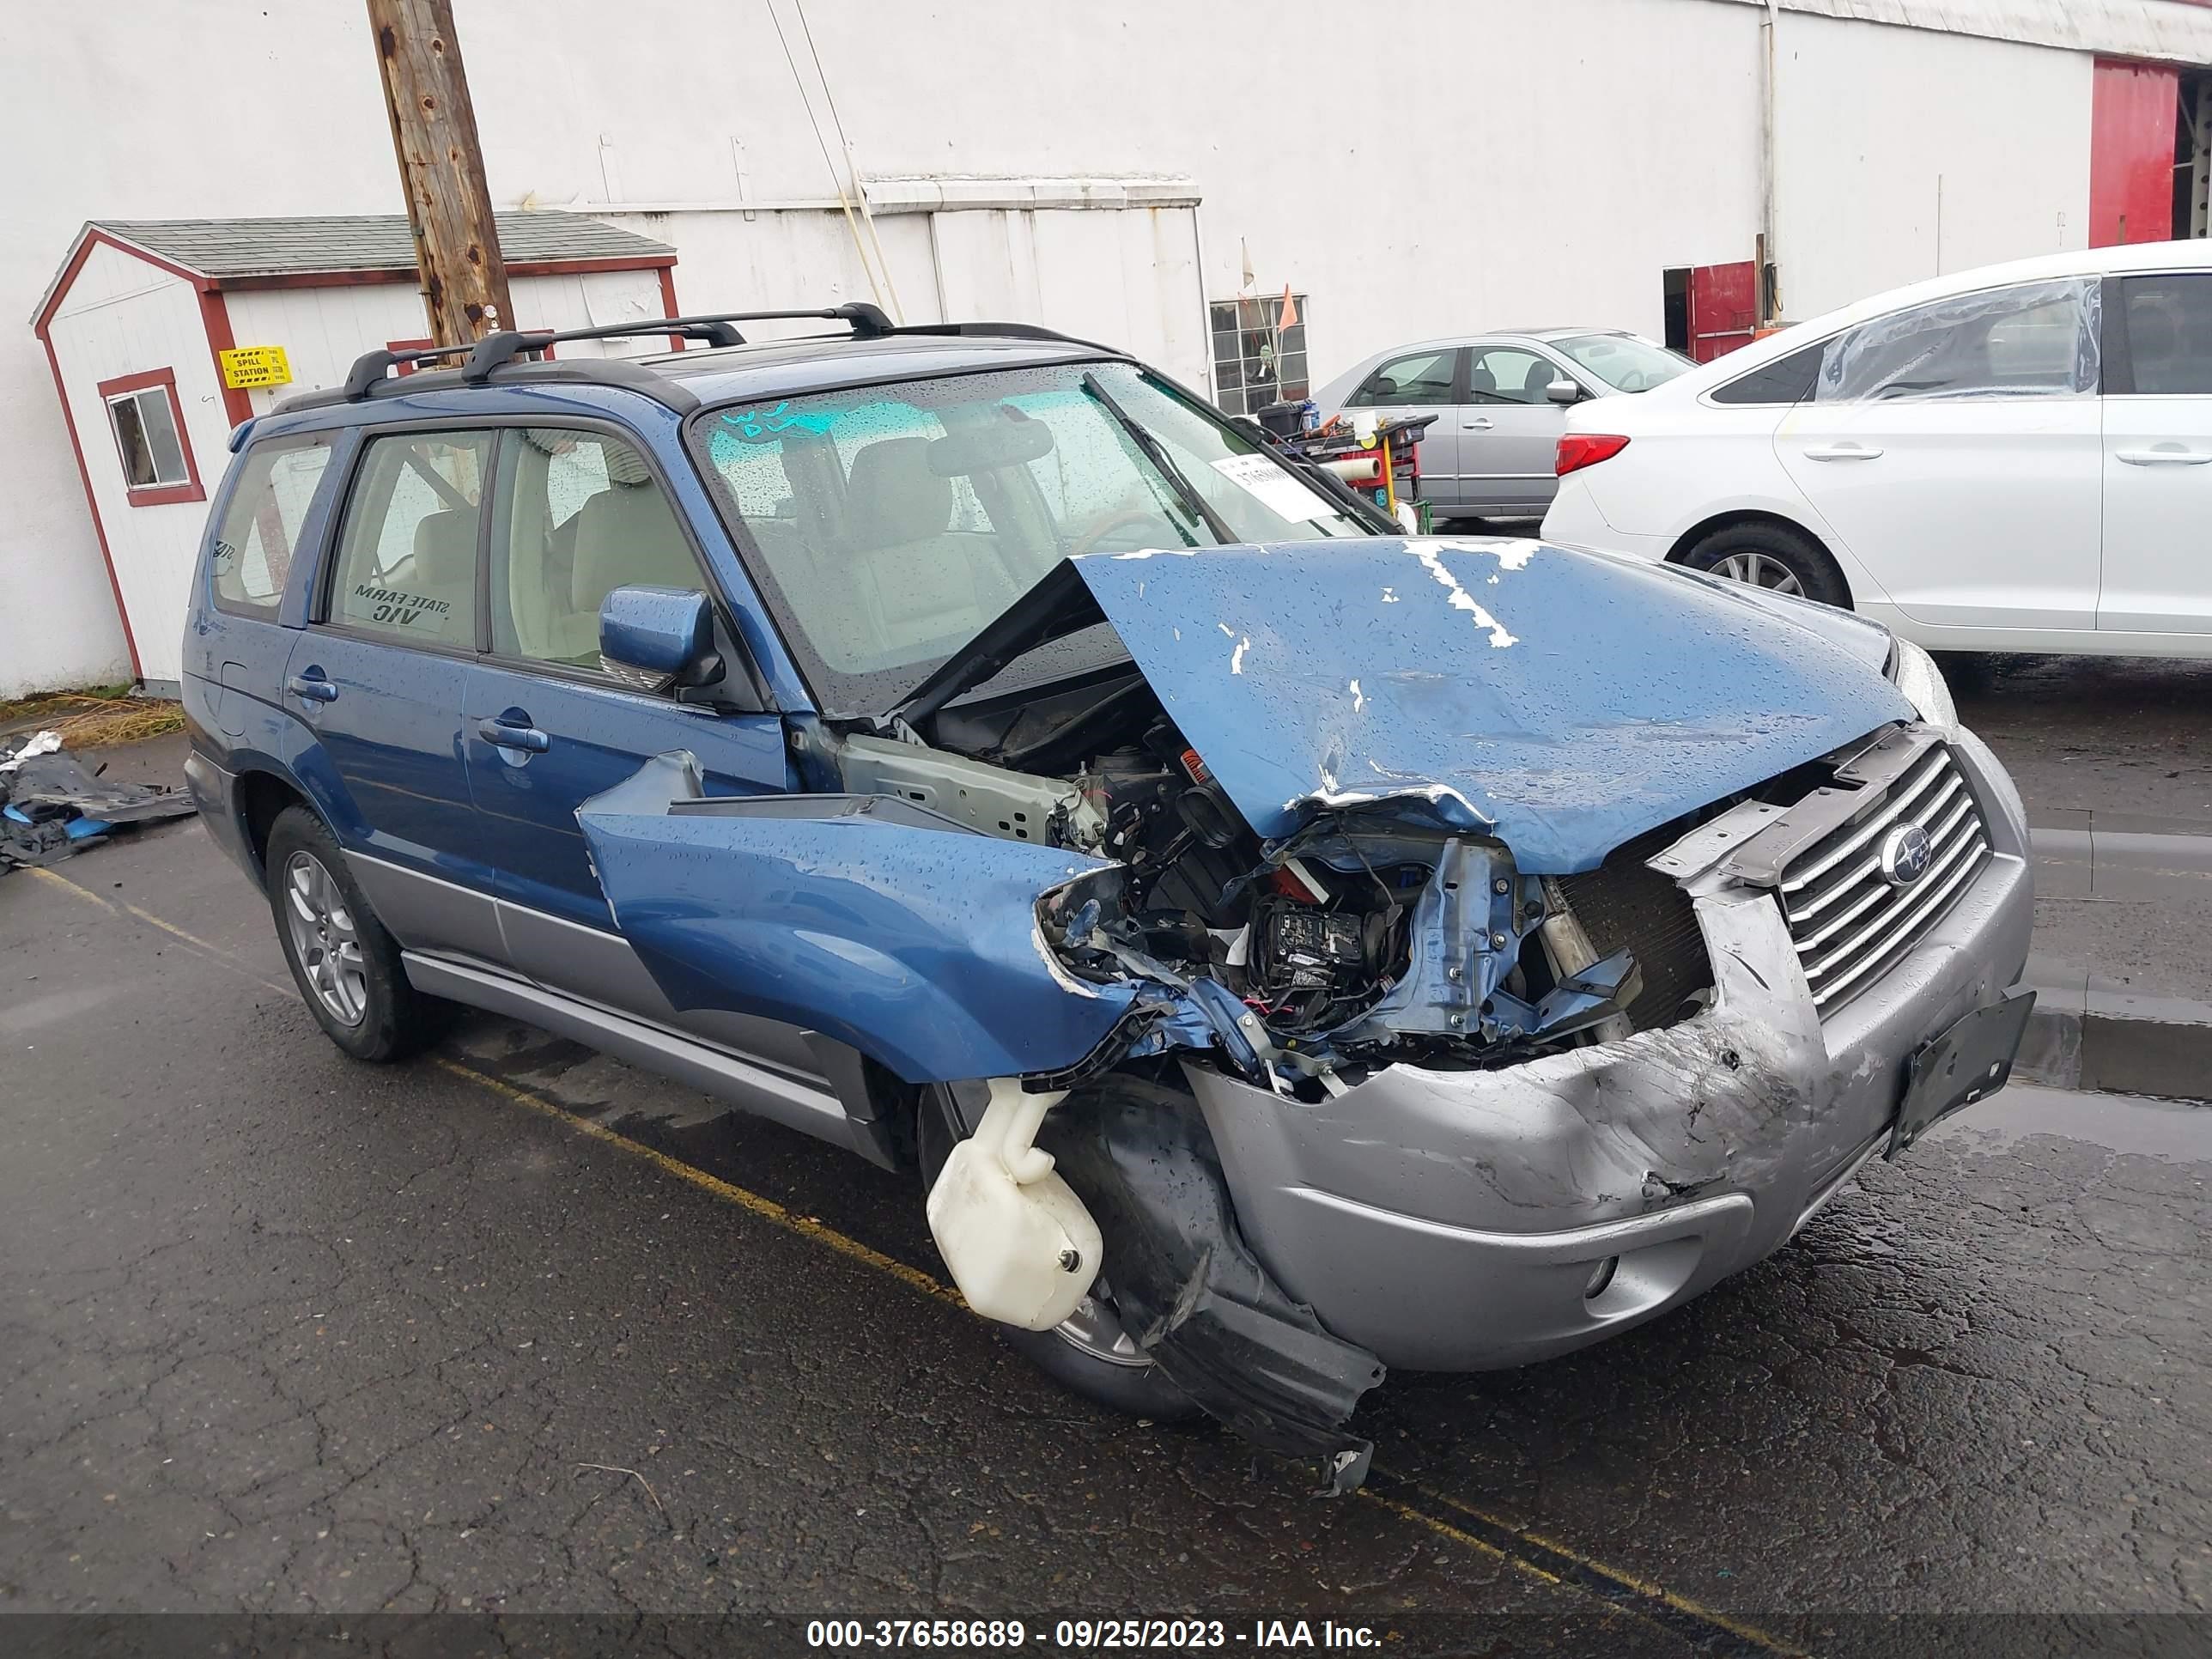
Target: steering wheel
(1111, 519)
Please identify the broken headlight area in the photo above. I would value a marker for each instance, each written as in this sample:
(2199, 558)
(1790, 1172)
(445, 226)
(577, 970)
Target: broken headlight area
(1352, 946)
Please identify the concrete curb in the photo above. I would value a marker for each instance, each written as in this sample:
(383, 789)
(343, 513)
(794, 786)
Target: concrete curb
(2087, 1036)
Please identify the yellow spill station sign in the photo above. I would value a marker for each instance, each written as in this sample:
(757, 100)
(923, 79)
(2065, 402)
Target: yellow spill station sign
(252, 365)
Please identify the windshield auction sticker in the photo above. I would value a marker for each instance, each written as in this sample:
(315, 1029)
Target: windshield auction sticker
(1273, 488)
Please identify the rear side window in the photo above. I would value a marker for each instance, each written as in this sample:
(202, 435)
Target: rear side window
(581, 515)
(2169, 324)
(1785, 381)
(407, 556)
(252, 558)
(1424, 378)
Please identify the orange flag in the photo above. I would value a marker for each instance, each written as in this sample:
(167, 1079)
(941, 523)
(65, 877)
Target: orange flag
(1288, 319)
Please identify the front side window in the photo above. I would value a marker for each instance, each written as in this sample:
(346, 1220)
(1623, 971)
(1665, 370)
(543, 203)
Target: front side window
(888, 525)
(1623, 361)
(149, 429)
(1509, 374)
(1424, 378)
(2169, 322)
(407, 556)
(2036, 339)
(252, 558)
(581, 514)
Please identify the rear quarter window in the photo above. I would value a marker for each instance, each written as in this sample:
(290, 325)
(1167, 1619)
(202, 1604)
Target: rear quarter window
(1785, 381)
(251, 558)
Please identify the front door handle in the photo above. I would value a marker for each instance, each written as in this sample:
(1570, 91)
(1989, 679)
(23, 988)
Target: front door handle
(1479, 423)
(311, 688)
(2174, 457)
(1843, 452)
(499, 735)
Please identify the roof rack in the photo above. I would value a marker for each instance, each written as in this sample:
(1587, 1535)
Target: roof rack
(493, 350)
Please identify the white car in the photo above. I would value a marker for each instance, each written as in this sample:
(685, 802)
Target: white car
(2013, 459)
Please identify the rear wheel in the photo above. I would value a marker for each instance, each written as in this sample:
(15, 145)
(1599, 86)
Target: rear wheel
(347, 967)
(1760, 553)
(1089, 1353)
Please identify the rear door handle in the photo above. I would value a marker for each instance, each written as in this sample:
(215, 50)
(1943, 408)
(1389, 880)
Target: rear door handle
(1479, 423)
(1843, 452)
(2165, 456)
(311, 688)
(500, 735)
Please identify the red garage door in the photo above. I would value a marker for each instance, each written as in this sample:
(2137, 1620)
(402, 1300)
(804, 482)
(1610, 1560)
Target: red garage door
(2131, 129)
(1723, 308)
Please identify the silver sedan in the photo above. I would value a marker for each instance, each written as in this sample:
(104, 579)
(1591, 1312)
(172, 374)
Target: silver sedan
(1502, 399)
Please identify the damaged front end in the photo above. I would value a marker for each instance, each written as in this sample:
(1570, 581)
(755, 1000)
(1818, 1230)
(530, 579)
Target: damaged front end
(1320, 966)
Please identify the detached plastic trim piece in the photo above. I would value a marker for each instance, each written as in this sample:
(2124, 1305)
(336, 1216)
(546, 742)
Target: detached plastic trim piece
(1187, 1287)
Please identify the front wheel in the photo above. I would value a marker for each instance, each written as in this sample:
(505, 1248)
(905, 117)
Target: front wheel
(1774, 556)
(1089, 1353)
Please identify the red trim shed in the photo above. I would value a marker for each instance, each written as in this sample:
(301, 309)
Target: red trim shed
(137, 318)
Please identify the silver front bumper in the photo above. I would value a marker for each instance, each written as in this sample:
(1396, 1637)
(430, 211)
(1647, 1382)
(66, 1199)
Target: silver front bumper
(1456, 1220)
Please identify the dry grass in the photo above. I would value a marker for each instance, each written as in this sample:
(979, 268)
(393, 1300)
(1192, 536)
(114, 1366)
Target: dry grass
(102, 722)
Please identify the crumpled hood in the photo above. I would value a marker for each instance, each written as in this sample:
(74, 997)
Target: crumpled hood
(1564, 701)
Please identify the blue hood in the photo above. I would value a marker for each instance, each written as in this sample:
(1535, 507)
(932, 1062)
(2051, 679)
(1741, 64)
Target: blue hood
(1564, 701)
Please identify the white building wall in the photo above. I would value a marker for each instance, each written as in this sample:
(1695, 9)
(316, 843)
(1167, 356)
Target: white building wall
(123, 317)
(1904, 154)
(1491, 164)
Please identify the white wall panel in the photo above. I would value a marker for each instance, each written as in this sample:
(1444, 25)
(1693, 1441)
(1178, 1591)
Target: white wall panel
(1497, 164)
(1905, 154)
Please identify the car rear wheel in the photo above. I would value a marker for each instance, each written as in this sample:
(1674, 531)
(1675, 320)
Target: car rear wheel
(1774, 556)
(1089, 1353)
(347, 967)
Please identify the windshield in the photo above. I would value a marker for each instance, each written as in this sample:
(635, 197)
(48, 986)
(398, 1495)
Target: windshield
(888, 525)
(1624, 362)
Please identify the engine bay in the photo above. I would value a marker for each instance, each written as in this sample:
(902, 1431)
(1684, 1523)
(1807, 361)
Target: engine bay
(1366, 936)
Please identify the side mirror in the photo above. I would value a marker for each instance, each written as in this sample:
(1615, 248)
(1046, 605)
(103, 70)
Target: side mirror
(1564, 391)
(653, 638)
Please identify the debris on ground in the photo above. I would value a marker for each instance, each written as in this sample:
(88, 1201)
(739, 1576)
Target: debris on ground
(52, 807)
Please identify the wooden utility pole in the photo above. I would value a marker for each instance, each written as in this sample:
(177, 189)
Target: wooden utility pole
(434, 132)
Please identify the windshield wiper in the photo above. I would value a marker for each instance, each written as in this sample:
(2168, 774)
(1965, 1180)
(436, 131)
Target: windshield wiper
(1193, 502)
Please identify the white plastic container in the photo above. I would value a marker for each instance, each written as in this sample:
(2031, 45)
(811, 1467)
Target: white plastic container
(1022, 1248)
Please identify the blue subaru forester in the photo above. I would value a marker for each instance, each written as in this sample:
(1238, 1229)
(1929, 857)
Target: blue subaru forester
(1284, 947)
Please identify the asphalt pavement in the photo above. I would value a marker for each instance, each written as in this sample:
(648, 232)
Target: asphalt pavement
(514, 1329)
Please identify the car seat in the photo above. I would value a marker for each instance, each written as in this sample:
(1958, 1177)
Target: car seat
(916, 583)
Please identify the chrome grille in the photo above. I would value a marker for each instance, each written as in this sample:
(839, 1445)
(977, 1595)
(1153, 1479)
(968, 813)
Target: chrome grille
(1847, 921)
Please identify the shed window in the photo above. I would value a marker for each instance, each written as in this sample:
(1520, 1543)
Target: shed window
(149, 438)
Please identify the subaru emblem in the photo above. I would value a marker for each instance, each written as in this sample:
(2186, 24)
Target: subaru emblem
(1907, 853)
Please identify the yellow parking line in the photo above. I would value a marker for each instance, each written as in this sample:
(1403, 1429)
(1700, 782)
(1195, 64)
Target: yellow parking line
(1514, 1546)
(1527, 1552)
(228, 958)
(1749, 1635)
(766, 1208)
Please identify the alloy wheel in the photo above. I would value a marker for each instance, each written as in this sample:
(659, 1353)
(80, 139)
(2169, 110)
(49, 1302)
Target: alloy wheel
(324, 941)
(1760, 570)
(1093, 1329)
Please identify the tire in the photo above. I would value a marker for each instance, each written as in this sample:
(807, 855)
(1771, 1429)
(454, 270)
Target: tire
(346, 965)
(1775, 557)
(1071, 1355)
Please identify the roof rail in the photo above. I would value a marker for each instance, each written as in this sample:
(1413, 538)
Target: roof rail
(1003, 330)
(496, 350)
(868, 324)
